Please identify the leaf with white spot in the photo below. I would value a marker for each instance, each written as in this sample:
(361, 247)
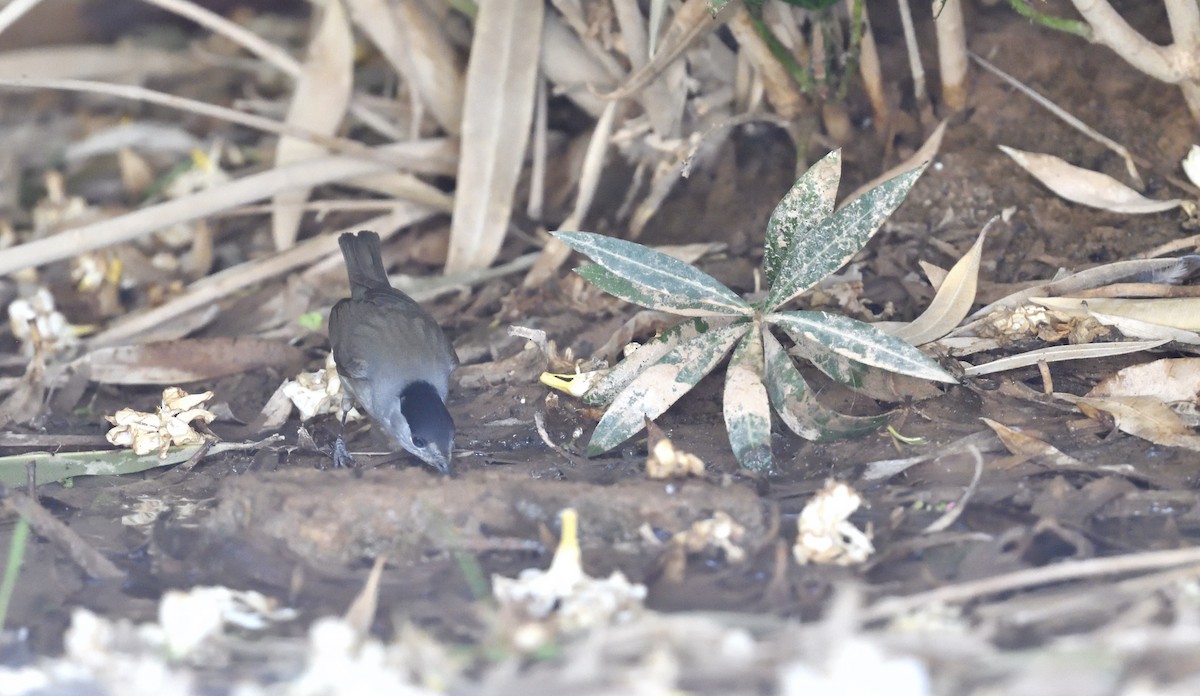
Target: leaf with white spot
(659, 386)
(650, 278)
(802, 209)
(746, 404)
(811, 257)
(859, 341)
(870, 381)
(619, 377)
(798, 407)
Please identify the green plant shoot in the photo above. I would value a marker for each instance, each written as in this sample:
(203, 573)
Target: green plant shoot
(806, 240)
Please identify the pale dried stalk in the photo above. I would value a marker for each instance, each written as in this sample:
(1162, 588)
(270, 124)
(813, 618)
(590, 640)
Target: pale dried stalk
(952, 52)
(497, 116)
(150, 96)
(217, 24)
(556, 253)
(915, 66)
(208, 290)
(872, 73)
(124, 61)
(417, 48)
(538, 152)
(14, 11)
(235, 193)
(781, 90)
(663, 99)
(266, 50)
(320, 97)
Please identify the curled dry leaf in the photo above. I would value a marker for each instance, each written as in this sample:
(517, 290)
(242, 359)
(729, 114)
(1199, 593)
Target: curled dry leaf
(952, 302)
(1191, 165)
(1169, 379)
(719, 532)
(1146, 417)
(1085, 186)
(664, 460)
(1023, 444)
(318, 393)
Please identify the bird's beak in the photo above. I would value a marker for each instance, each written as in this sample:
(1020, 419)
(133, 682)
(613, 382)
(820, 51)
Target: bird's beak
(442, 464)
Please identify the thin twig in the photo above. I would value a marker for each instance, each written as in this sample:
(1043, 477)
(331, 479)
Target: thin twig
(1032, 577)
(265, 50)
(208, 290)
(248, 189)
(1068, 118)
(48, 526)
(14, 11)
(150, 96)
(952, 514)
(539, 420)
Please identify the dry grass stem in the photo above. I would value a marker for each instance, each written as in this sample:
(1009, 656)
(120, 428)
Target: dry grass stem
(245, 190)
(209, 290)
(1033, 577)
(952, 52)
(241, 118)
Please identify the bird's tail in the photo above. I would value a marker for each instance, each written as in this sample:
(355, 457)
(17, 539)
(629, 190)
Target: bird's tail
(364, 263)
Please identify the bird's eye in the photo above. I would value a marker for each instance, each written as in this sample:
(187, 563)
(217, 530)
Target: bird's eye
(420, 442)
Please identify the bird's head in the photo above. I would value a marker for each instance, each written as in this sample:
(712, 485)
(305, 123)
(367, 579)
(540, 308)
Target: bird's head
(419, 422)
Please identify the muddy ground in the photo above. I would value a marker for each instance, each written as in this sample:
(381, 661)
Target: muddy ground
(280, 521)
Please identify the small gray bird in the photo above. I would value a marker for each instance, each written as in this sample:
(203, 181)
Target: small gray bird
(392, 356)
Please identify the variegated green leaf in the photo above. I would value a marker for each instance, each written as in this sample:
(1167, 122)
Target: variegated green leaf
(858, 341)
(747, 407)
(660, 385)
(811, 258)
(796, 404)
(650, 278)
(874, 382)
(840, 369)
(607, 387)
(802, 209)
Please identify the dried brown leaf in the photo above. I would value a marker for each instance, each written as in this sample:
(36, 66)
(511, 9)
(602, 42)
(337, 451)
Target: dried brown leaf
(319, 102)
(1085, 186)
(497, 116)
(417, 47)
(188, 360)
(1146, 417)
(952, 302)
(1177, 312)
(1169, 379)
